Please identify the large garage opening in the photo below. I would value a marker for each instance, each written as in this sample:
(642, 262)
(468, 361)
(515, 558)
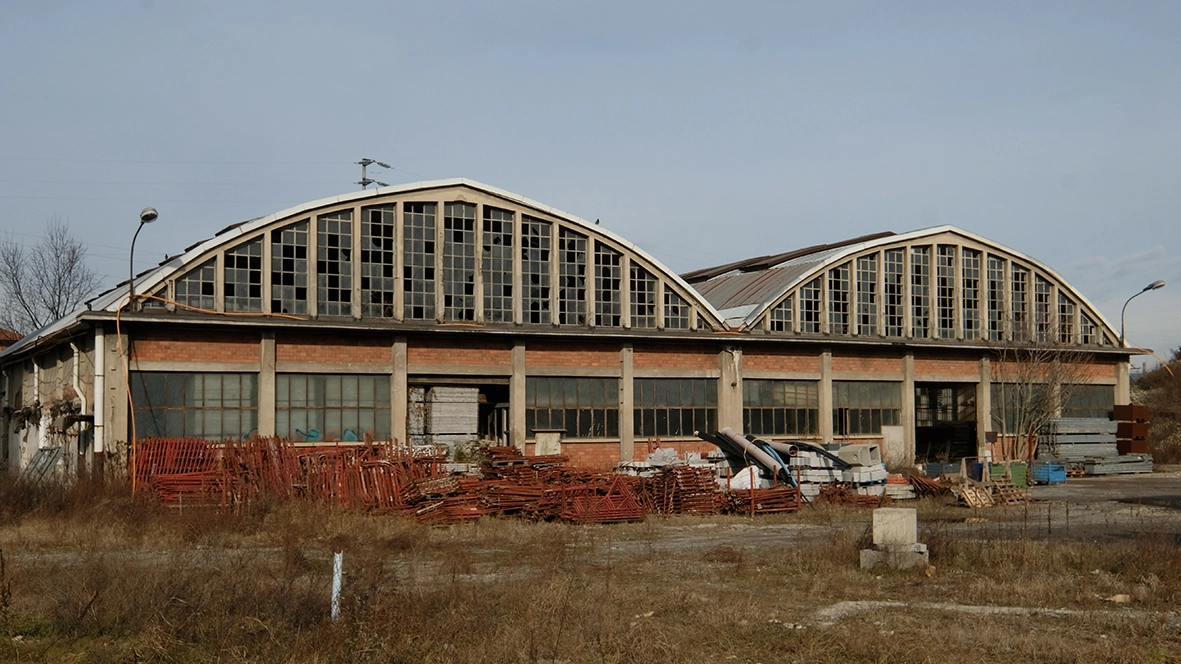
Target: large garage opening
(454, 413)
(945, 421)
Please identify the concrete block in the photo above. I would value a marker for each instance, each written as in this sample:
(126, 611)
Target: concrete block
(895, 559)
(895, 526)
(861, 454)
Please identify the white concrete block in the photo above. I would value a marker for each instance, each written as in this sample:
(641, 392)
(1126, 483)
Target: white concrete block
(895, 526)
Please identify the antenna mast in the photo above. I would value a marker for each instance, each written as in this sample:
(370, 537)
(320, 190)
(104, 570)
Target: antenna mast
(365, 180)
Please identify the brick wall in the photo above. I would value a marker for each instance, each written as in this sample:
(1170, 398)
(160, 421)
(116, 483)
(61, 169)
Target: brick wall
(181, 346)
(487, 352)
(572, 355)
(601, 456)
(675, 357)
(946, 367)
(867, 364)
(769, 360)
(1096, 370)
(335, 349)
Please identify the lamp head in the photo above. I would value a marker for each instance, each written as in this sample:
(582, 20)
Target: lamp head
(1156, 285)
(149, 214)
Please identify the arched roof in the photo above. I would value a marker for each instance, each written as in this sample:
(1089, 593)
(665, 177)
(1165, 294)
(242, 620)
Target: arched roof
(743, 292)
(196, 254)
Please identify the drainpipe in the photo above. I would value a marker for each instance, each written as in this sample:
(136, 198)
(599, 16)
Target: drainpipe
(42, 422)
(81, 397)
(7, 427)
(100, 388)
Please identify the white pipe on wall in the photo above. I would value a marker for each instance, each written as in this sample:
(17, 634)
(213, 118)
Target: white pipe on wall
(100, 385)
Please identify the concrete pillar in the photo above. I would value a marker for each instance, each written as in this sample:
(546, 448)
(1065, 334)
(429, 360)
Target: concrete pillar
(627, 433)
(266, 385)
(115, 402)
(516, 398)
(908, 420)
(399, 391)
(983, 406)
(1123, 383)
(730, 388)
(825, 397)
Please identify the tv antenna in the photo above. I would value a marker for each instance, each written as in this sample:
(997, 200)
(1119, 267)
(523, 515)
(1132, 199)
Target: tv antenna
(365, 180)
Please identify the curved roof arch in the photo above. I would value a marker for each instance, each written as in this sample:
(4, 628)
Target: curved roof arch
(200, 252)
(743, 297)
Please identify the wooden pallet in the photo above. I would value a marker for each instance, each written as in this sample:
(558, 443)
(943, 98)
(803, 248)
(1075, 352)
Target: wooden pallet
(1005, 493)
(976, 497)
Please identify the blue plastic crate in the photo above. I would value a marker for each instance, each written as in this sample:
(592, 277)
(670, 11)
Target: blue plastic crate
(1048, 473)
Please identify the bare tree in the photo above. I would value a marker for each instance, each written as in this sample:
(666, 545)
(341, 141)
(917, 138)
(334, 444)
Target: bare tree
(1035, 376)
(42, 283)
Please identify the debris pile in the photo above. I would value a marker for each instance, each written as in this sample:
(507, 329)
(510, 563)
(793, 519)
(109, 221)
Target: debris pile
(413, 481)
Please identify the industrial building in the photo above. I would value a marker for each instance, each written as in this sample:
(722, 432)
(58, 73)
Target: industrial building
(446, 311)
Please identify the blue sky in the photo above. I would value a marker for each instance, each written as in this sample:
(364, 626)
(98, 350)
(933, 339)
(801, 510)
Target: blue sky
(704, 132)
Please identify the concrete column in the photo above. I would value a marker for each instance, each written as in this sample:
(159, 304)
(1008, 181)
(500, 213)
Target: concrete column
(266, 385)
(825, 395)
(730, 388)
(983, 406)
(516, 398)
(908, 421)
(117, 431)
(1123, 383)
(627, 433)
(399, 392)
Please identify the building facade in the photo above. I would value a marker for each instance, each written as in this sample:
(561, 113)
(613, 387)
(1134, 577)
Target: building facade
(337, 319)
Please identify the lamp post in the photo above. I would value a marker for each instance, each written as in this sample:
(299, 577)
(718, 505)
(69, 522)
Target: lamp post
(1158, 284)
(147, 216)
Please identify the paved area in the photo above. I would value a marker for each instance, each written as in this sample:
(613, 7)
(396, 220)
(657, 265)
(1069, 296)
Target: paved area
(1149, 489)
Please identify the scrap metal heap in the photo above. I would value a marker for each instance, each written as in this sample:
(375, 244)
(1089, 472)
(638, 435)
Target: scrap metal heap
(417, 481)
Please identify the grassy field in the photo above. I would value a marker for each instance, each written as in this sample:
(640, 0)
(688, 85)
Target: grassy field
(88, 576)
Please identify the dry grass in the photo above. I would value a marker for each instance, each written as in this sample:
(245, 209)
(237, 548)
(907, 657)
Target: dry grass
(96, 579)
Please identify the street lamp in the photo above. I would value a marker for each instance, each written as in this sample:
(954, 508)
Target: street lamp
(147, 216)
(1158, 284)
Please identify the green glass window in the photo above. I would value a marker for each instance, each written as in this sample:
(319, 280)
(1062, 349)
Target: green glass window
(780, 407)
(584, 407)
(314, 407)
(674, 406)
(214, 406)
(864, 407)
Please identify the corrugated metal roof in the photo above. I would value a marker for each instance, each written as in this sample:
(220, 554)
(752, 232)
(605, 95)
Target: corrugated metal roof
(748, 288)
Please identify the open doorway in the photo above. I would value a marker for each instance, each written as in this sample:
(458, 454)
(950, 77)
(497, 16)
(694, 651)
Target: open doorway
(453, 412)
(945, 421)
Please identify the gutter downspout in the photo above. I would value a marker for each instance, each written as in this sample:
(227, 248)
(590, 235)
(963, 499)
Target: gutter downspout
(100, 389)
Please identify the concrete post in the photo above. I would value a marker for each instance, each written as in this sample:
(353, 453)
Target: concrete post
(627, 434)
(825, 397)
(266, 385)
(117, 431)
(516, 398)
(908, 415)
(399, 391)
(730, 389)
(983, 406)
(1123, 383)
